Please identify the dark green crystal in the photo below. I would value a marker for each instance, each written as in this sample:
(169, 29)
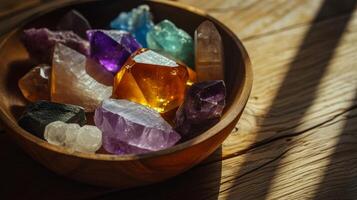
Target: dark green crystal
(37, 115)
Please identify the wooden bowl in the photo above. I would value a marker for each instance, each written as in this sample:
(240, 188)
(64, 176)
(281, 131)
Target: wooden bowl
(128, 170)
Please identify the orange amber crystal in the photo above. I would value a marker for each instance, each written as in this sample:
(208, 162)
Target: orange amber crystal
(153, 80)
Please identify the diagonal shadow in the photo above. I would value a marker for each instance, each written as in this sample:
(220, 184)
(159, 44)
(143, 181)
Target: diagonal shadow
(340, 179)
(291, 102)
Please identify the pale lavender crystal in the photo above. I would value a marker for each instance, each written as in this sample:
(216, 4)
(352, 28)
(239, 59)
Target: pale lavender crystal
(202, 108)
(131, 128)
(74, 21)
(40, 43)
(111, 48)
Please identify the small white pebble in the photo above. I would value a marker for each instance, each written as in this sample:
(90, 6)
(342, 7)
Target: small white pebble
(84, 139)
(89, 139)
(55, 133)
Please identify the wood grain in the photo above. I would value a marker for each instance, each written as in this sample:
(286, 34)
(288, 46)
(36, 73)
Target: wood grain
(297, 136)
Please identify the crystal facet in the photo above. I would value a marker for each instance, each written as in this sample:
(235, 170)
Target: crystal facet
(131, 128)
(111, 48)
(165, 37)
(74, 21)
(153, 80)
(37, 115)
(40, 43)
(35, 85)
(208, 53)
(138, 22)
(202, 108)
(84, 139)
(78, 80)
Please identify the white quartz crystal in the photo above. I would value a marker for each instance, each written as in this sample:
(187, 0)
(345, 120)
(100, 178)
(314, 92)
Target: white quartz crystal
(89, 139)
(78, 80)
(83, 139)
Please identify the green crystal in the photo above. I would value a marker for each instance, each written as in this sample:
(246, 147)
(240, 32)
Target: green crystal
(166, 38)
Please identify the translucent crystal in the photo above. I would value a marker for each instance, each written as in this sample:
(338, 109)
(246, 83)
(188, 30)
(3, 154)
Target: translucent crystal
(166, 38)
(84, 139)
(89, 139)
(202, 108)
(78, 80)
(130, 128)
(111, 48)
(208, 53)
(35, 84)
(151, 79)
(56, 132)
(138, 22)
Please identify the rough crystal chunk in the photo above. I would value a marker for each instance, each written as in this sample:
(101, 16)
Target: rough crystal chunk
(40, 43)
(35, 85)
(74, 21)
(202, 108)
(138, 22)
(83, 139)
(37, 115)
(166, 38)
(112, 48)
(78, 80)
(153, 80)
(208, 53)
(131, 128)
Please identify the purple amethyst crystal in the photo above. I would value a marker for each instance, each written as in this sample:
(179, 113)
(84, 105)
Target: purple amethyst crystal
(111, 48)
(74, 21)
(40, 43)
(202, 108)
(131, 128)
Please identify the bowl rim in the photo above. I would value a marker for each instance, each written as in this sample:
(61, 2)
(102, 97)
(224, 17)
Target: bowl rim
(239, 100)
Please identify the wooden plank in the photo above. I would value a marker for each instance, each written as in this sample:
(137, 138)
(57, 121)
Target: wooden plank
(295, 109)
(253, 18)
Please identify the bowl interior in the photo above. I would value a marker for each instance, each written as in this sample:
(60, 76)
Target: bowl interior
(15, 62)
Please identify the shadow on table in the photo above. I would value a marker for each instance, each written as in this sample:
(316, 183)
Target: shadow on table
(23, 178)
(194, 184)
(340, 177)
(309, 64)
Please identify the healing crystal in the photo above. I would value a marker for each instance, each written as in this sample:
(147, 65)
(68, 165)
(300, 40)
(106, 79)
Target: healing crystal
(208, 52)
(84, 139)
(138, 22)
(131, 128)
(74, 21)
(40, 43)
(202, 108)
(151, 79)
(56, 133)
(166, 37)
(78, 80)
(37, 115)
(111, 48)
(34, 85)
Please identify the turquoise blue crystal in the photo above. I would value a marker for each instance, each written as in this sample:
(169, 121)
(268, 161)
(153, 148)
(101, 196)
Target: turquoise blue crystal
(166, 38)
(138, 22)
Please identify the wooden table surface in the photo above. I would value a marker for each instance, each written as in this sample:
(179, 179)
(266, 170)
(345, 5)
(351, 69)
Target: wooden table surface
(297, 138)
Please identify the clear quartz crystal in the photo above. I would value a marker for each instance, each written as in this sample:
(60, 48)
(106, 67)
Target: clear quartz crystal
(83, 139)
(71, 135)
(55, 133)
(89, 139)
(208, 53)
(72, 83)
